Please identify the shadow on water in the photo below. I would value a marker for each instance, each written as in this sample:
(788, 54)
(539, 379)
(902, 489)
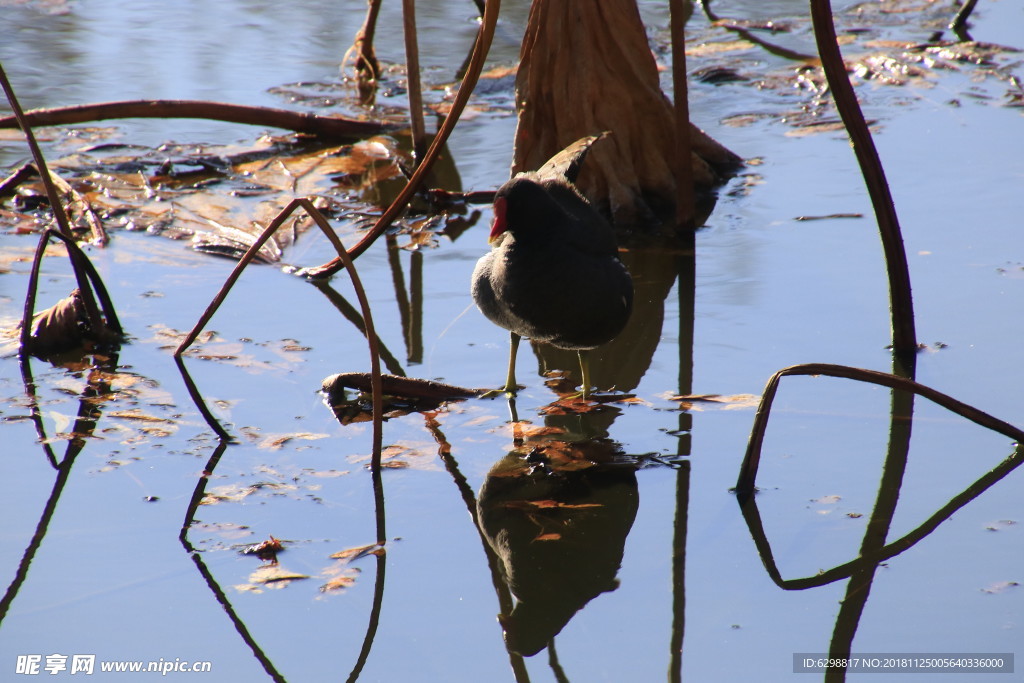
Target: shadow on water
(99, 369)
(554, 511)
(552, 514)
(875, 548)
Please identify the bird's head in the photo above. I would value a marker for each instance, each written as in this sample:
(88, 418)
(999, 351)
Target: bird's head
(522, 203)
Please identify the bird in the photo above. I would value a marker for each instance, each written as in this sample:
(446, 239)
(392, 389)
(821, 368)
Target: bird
(553, 274)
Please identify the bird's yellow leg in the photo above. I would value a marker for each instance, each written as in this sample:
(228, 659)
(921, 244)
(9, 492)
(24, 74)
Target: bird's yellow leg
(584, 392)
(510, 387)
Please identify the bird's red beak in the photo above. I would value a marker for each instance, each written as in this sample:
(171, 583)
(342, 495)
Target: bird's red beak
(499, 226)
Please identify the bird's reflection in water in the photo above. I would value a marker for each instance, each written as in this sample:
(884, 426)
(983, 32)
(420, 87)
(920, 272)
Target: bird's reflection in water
(557, 518)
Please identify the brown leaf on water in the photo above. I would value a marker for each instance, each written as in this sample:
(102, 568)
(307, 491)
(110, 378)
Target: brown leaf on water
(136, 414)
(718, 47)
(276, 441)
(274, 576)
(352, 554)
(61, 326)
(394, 465)
(699, 402)
(233, 493)
(339, 582)
(227, 530)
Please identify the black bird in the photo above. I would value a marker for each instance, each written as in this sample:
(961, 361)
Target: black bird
(554, 274)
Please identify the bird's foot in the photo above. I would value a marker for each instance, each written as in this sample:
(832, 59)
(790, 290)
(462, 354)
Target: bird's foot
(583, 396)
(507, 391)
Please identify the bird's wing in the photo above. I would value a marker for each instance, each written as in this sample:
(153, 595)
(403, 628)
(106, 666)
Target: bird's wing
(566, 164)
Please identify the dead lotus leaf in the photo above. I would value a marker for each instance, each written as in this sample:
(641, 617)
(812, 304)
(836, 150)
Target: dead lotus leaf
(699, 402)
(276, 441)
(61, 326)
(718, 47)
(234, 493)
(139, 416)
(827, 500)
(341, 581)
(352, 554)
(274, 576)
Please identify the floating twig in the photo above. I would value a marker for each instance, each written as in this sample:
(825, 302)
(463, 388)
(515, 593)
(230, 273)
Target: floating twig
(300, 122)
(408, 388)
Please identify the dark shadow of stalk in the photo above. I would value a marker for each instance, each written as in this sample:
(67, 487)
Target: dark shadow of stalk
(890, 550)
(89, 413)
(501, 589)
(687, 279)
(197, 498)
(200, 403)
(874, 548)
(745, 484)
(375, 379)
(877, 531)
(904, 336)
(352, 314)
(410, 303)
(378, 585)
(371, 334)
(675, 671)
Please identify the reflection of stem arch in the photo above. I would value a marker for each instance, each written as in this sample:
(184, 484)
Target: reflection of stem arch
(745, 485)
(888, 551)
(89, 412)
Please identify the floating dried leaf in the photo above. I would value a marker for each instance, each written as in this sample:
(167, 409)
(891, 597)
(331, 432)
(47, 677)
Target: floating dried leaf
(136, 414)
(351, 554)
(827, 500)
(276, 441)
(274, 576)
(340, 582)
(999, 587)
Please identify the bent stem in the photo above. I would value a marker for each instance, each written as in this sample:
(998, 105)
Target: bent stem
(904, 336)
(480, 50)
(371, 334)
(59, 213)
(86, 277)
